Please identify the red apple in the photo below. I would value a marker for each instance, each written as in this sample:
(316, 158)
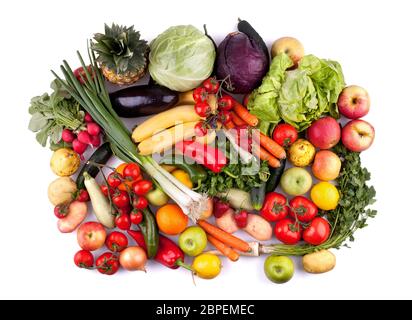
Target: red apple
(324, 133)
(354, 102)
(91, 236)
(326, 165)
(358, 135)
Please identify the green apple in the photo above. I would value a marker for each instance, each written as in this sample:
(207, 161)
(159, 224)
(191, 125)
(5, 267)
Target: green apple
(193, 241)
(279, 269)
(296, 181)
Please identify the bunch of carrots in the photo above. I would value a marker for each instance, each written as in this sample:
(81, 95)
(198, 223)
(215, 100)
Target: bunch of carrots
(226, 243)
(267, 149)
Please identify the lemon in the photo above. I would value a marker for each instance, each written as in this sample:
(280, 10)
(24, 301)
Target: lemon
(206, 265)
(325, 195)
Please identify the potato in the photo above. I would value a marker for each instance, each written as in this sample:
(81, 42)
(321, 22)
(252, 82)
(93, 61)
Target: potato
(64, 162)
(227, 222)
(77, 214)
(319, 262)
(61, 190)
(258, 227)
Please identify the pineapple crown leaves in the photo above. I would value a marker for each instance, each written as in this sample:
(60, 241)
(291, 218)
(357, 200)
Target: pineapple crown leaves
(120, 49)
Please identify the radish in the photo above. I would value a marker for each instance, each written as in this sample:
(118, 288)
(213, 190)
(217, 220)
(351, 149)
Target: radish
(88, 117)
(78, 146)
(95, 141)
(83, 137)
(93, 129)
(67, 136)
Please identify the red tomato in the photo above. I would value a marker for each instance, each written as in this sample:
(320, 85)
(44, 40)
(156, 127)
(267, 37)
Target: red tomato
(131, 172)
(84, 259)
(114, 179)
(202, 108)
(81, 75)
(199, 94)
(142, 187)
(274, 207)
(125, 210)
(120, 199)
(200, 129)
(61, 211)
(317, 232)
(136, 217)
(288, 231)
(225, 103)
(123, 222)
(140, 203)
(83, 196)
(285, 134)
(108, 263)
(304, 209)
(211, 85)
(116, 241)
(105, 191)
(225, 117)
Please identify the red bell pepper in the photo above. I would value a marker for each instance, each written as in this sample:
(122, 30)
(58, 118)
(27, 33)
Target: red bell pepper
(208, 156)
(168, 253)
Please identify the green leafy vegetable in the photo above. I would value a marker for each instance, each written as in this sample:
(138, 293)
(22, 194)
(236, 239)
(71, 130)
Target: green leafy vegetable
(53, 113)
(298, 96)
(181, 58)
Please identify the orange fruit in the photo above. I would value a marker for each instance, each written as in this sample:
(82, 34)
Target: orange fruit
(171, 220)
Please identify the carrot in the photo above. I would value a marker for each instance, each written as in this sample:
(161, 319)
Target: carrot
(229, 125)
(224, 237)
(236, 120)
(273, 147)
(227, 251)
(245, 115)
(265, 156)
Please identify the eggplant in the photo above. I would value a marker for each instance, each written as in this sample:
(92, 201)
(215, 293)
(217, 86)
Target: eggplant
(139, 101)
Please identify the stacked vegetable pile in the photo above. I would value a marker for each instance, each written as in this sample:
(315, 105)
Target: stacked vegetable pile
(204, 166)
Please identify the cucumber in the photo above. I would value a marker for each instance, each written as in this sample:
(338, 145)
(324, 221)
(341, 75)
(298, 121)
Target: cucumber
(258, 196)
(101, 156)
(151, 235)
(246, 28)
(275, 175)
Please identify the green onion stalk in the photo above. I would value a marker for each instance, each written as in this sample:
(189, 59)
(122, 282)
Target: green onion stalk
(92, 95)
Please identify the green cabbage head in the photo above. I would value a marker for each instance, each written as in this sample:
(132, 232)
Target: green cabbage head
(181, 58)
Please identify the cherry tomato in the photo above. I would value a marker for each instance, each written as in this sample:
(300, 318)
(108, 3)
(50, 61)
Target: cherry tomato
(288, 231)
(140, 203)
(108, 263)
(105, 191)
(200, 94)
(285, 134)
(120, 199)
(211, 85)
(274, 207)
(225, 103)
(84, 259)
(125, 210)
(83, 196)
(61, 211)
(142, 187)
(114, 179)
(202, 108)
(131, 172)
(219, 207)
(304, 209)
(200, 129)
(317, 232)
(123, 222)
(80, 74)
(225, 117)
(136, 217)
(116, 241)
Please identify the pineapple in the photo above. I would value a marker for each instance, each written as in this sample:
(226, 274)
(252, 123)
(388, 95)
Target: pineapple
(121, 53)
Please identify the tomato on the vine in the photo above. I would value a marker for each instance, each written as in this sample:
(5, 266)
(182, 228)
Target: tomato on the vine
(114, 179)
(105, 190)
(211, 85)
(202, 108)
(225, 103)
(274, 207)
(84, 259)
(199, 94)
(124, 210)
(140, 203)
(80, 74)
(108, 263)
(142, 187)
(225, 117)
(120, 199)
(285, 134)
(61, 211)
(131, 172)
(116, 241)
(83, 195)
(136, 216)
(123, 222)
(317, 232)
(200, 129)
(287, 231)
(303, 209)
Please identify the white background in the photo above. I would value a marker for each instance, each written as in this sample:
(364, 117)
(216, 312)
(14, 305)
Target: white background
(370, 39)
